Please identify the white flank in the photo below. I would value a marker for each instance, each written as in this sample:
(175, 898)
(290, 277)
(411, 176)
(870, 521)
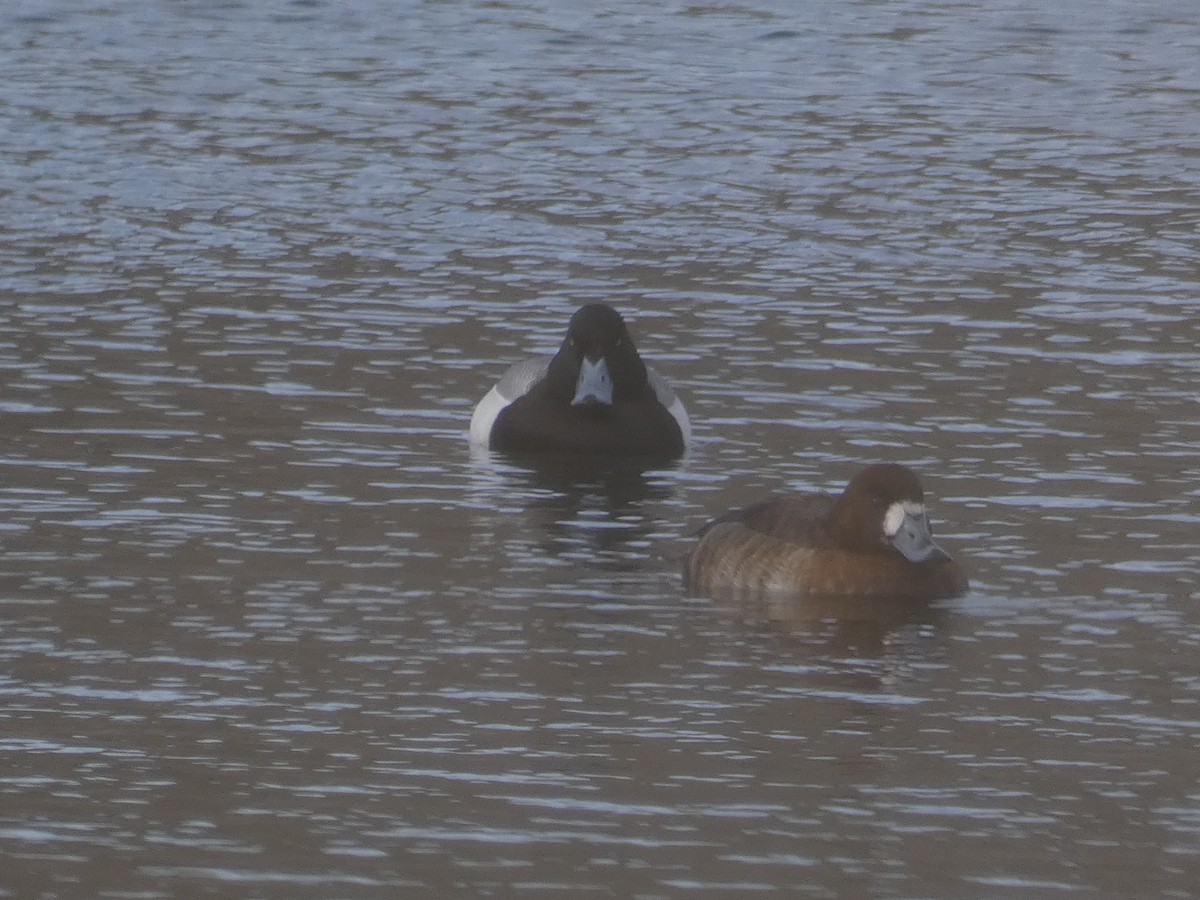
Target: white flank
(485, 415)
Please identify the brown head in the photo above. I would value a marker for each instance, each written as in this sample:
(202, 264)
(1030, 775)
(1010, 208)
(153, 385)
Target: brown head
(882, 510)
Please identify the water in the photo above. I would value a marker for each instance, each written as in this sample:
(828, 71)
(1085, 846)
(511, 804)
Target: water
(267, 628)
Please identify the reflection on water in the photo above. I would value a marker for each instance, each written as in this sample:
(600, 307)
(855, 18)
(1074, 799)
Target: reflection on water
(852, 627)
(586, 510)
(267, 627)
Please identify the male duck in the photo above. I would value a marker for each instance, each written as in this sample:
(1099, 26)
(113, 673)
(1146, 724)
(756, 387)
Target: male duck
(872, 541)
(594, 396)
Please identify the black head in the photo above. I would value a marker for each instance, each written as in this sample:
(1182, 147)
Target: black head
(597, 362)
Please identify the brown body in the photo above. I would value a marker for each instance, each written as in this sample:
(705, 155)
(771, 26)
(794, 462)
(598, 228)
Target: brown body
(820, 545)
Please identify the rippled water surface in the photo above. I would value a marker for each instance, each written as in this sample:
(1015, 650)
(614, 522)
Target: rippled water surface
(267, 628)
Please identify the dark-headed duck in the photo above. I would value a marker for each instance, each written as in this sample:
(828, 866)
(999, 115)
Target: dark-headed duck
(872, 541)
(594, 396)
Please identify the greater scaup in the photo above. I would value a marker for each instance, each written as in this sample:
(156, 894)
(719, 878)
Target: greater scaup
(872, 541)
(595, 396)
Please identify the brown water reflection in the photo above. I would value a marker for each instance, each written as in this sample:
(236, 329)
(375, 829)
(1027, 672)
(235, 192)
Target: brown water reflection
(855, 627)
(268, 629)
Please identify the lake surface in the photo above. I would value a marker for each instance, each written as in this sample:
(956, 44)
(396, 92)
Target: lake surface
(269, 629)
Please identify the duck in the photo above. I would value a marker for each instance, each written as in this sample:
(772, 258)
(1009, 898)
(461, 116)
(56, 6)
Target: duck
(872, 541)
(594, 396)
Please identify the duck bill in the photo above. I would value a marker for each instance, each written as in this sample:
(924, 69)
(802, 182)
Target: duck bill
(909, 533)
(594, 385)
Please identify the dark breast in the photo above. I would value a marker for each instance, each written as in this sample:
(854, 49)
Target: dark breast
(538, 423)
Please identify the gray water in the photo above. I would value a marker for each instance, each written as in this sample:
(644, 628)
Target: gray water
(267, 628)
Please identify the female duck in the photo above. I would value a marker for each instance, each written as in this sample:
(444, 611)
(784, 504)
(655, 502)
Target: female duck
(594, 396)
(872, 541)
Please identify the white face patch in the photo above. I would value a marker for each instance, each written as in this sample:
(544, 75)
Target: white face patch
(894, 518)
(594, 384)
